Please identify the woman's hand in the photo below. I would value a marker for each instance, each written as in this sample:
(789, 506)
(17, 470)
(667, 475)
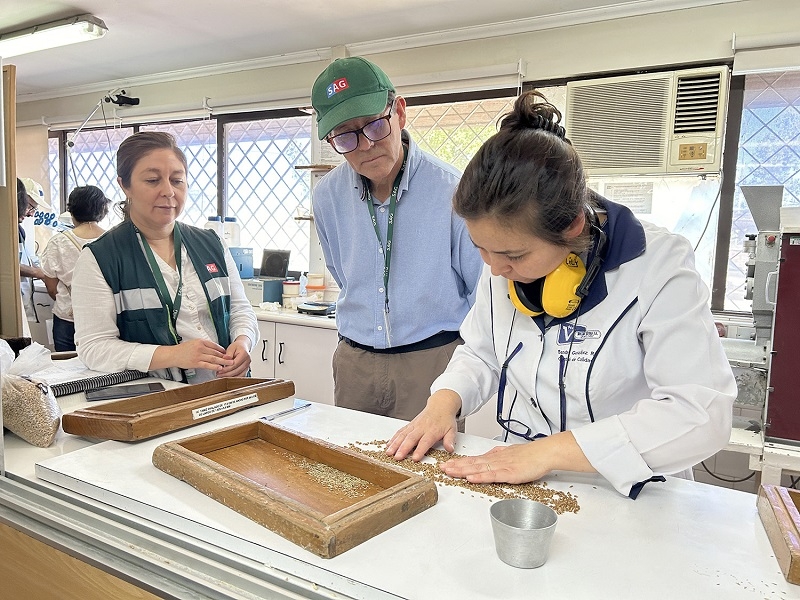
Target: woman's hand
(191, 354)
(239, 353)
(521, 463)
(436, 422)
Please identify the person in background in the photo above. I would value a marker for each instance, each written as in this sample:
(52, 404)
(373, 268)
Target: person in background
(404, 262)
(154, 294)
(87, 205)
(30, 196)
(593, 328)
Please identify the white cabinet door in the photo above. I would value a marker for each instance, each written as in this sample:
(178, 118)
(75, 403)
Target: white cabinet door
(262, 357)
(42, 328)
(304, 355)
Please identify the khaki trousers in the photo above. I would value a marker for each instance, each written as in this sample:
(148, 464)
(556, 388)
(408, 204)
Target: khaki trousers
(392, 385)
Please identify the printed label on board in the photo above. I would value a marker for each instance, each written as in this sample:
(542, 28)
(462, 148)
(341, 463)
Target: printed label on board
(212, 409)
(794, 240)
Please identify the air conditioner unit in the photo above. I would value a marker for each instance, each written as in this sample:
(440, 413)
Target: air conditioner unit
(670, 122)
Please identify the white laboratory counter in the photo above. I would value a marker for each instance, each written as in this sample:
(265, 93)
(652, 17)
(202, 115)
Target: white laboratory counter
(292, 317)
(679, 539)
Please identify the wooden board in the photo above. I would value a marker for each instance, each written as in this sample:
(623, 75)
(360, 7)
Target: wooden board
(149, 415)
(322, 497)
(778, 509)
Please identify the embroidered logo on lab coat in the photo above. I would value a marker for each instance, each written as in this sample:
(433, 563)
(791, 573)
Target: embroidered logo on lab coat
(570, 333)
(337, 86)
(212, 268)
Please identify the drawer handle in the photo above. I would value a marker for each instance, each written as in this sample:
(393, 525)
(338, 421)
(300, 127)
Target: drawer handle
(264, 350)
(280, 353)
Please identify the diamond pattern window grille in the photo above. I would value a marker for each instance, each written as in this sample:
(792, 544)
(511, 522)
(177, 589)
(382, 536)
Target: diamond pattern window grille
(264, 191)
(92, 161)
(53, 170)
(454, 131)
(198, 140)
(769, 154)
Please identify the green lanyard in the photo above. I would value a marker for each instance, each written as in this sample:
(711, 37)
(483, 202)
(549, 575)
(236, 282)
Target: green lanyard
(387, 250)
(174, 306)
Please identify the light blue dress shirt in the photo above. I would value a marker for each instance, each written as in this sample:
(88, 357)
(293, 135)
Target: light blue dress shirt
(434, 269)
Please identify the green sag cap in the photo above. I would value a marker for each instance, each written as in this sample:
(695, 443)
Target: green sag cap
(349, 88)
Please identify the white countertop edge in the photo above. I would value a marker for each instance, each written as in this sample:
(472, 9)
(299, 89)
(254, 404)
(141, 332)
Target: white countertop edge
(292, 317)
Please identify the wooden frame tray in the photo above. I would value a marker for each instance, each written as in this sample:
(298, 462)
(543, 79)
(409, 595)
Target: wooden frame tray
(150, 415)
(778, 509)
(322, 497)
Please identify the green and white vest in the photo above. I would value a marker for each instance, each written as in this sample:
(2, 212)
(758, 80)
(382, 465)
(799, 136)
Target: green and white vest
(142, 314)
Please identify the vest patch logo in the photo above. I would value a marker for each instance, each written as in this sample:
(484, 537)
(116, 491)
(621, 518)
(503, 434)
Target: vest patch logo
(337, 86)
(212, 268)
(569, 333)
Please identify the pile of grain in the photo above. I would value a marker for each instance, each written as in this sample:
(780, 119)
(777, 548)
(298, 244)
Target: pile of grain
(333, 479)
(561, 502)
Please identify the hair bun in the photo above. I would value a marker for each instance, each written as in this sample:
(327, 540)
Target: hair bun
(533, 111)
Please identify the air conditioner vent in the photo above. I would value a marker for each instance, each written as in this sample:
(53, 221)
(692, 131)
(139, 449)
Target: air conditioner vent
(696, 104)
(620, 123)
(646, 124)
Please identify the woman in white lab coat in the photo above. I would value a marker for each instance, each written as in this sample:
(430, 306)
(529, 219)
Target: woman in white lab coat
(592, 328)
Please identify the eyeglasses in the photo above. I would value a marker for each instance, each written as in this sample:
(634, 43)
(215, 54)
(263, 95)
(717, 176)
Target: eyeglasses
(374, 131)
(512, 426)
(30, 210)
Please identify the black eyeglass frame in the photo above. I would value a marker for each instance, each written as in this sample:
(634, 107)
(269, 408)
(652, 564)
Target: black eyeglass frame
(360, 131)
(507, 424)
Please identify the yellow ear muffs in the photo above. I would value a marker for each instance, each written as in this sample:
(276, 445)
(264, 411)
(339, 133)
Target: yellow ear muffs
(554, 294)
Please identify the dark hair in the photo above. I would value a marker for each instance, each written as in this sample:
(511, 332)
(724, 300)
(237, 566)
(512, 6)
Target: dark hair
(87, 203)
(134, 148)
(22, 199)
(527, 176)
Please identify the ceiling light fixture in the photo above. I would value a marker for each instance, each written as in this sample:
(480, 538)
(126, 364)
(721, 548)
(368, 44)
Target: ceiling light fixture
(51, 35)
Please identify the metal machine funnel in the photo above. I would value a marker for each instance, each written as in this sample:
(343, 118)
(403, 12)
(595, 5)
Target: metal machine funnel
(764, 202)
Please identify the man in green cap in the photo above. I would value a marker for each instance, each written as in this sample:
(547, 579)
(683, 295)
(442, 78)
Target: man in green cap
(404, 262)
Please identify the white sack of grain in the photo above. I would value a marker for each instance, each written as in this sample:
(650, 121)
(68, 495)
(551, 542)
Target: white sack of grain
(30, 409)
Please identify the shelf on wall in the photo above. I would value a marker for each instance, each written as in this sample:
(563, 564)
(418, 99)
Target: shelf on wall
(315, 167)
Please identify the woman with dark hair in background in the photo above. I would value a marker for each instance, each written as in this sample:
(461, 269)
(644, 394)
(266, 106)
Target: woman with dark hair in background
(592, 327)
(154, 294)
(87, 205)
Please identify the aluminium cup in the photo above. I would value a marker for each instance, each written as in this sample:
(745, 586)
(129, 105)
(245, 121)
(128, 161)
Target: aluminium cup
(522, 531)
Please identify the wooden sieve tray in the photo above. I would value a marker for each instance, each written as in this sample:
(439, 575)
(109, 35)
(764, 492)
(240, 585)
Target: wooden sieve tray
(278, 478)
(150, 415)
(778, 509)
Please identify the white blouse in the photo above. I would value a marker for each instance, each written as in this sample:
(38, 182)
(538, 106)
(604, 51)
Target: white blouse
(96, 333)
(58, 261)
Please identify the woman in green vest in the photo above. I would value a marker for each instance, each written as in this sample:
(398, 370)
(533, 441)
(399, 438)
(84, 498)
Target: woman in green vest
(154, 294)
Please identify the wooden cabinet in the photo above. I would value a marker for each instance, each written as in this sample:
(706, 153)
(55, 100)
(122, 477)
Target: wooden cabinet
(300, 353)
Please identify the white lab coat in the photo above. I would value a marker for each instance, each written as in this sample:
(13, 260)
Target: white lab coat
(648, 388)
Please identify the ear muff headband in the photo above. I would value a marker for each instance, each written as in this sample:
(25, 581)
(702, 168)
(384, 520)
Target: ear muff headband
(557, 291)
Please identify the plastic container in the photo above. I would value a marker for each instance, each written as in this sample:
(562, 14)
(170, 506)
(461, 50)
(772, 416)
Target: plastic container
(232, 232)
(215, 222)
(316, 279)
(315, 293)
(291, 288)
(291, 302)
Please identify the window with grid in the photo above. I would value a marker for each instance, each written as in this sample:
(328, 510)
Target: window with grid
(453, 131)
(769, 154)
(263, 189)
(198, 141)
(91, 160)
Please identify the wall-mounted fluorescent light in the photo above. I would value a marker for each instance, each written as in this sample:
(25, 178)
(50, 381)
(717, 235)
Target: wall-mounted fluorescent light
(51, 35)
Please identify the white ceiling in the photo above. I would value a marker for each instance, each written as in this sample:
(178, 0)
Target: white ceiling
(148, 37)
